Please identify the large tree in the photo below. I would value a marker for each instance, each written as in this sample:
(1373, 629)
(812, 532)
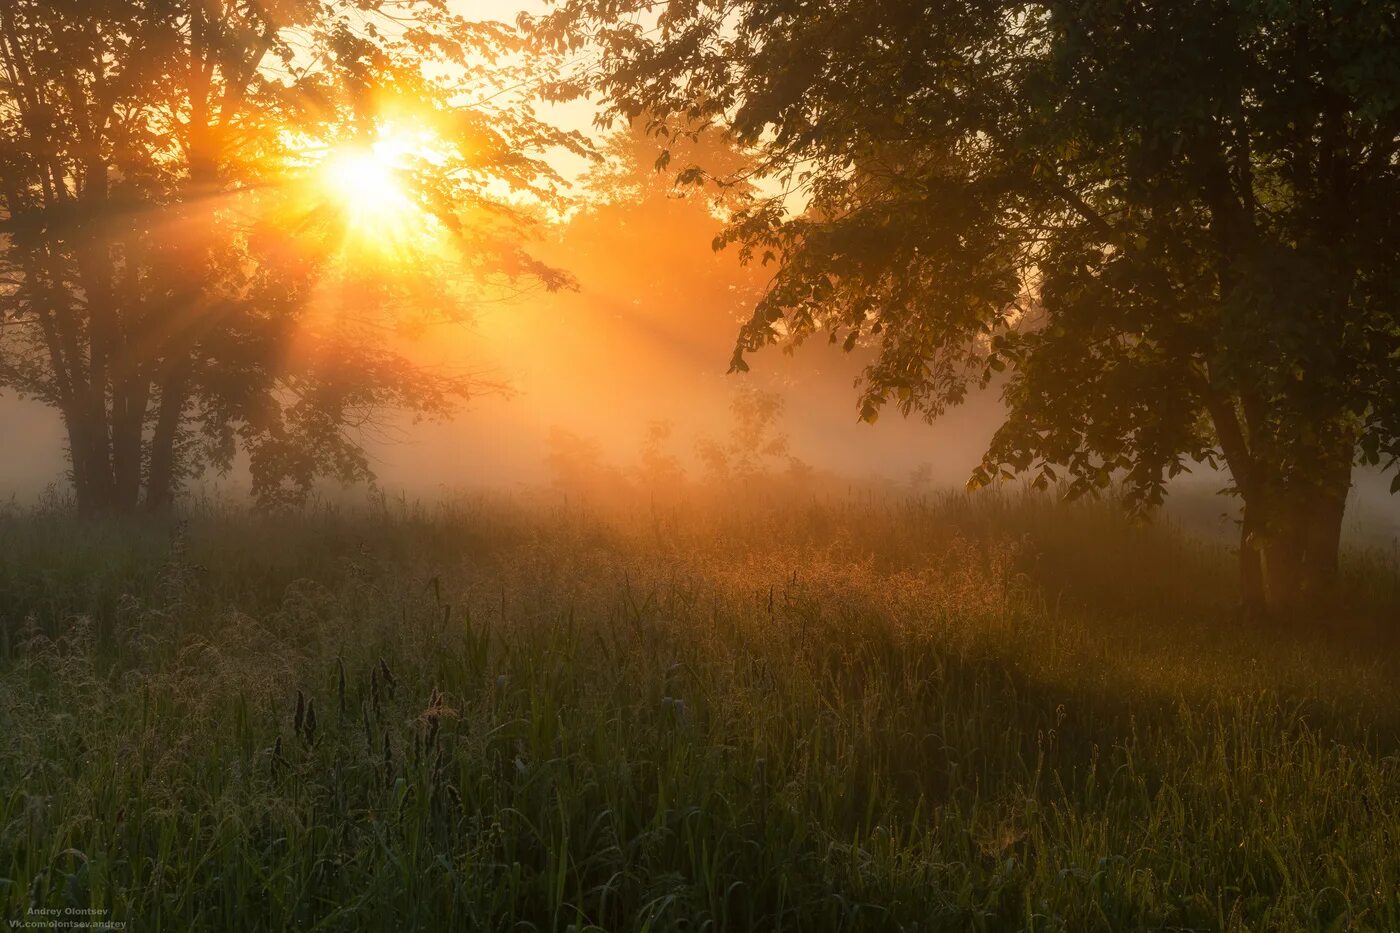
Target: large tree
(178, 280)
(1171, 225)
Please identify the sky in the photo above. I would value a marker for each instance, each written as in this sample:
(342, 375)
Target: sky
(646, 337)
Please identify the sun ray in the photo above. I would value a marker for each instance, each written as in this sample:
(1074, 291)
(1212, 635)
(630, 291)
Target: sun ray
(371, 188)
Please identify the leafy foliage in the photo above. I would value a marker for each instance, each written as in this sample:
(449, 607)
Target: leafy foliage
(1165, 230)
(754, 441)
(171, 283)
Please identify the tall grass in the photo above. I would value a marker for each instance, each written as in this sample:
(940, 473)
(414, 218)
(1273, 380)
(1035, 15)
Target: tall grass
(944, 714)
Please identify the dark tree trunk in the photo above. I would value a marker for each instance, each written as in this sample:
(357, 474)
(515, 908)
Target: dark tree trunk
(80, 464)
(1291, 529)
(1324, 537)
(1254, 594)
(1283, 570)
(1302, 545)
(160, 481)
(92, 465)
(128, 433)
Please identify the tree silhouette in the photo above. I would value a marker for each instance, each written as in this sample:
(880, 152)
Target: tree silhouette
(1171, 225)
(659, 470)
(174, 285)
(754, 440)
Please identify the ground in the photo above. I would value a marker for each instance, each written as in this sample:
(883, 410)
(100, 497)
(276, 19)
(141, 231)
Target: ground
(869, 713)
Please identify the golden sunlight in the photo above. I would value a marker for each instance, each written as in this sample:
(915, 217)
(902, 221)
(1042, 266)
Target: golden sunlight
(371, 188)
(366, 180)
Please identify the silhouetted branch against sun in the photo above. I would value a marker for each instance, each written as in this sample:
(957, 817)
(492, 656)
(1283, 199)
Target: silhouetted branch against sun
(197, 196)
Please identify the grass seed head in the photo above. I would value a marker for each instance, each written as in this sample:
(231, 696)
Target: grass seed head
(310, 724)
(340, 682)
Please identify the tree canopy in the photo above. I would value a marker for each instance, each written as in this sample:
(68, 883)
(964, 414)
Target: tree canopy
(178, 280)
(1166, 229)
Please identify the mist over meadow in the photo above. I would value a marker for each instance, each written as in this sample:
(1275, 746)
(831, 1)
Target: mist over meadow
(609, 465)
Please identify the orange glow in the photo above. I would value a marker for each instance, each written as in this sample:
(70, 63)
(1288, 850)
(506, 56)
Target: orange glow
(372, 189)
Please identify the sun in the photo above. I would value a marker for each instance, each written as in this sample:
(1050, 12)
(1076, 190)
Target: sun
(371, 189)
(365, 183)
(365, 179)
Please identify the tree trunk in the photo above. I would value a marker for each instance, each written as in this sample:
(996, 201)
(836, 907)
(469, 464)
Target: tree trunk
(1254, 594)
(1291, 529)
(1324, 537)
(128, 434)
(80, 463)
(1302, 545)
(160, 482)
(87, 446)
(1284, 567)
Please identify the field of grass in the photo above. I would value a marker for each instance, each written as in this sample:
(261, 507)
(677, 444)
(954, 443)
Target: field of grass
(955, 713)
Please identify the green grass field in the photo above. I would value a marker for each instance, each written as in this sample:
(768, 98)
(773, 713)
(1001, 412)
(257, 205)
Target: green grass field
(988, 713)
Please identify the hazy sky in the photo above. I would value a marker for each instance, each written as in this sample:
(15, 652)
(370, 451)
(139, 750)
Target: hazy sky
(646, 337)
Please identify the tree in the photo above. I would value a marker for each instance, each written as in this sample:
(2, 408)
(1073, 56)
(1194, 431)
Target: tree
(659, 470)
(175, 273)
(754, 439)
(1169, 224)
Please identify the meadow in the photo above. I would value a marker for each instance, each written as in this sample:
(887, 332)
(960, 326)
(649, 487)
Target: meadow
(943, 712)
